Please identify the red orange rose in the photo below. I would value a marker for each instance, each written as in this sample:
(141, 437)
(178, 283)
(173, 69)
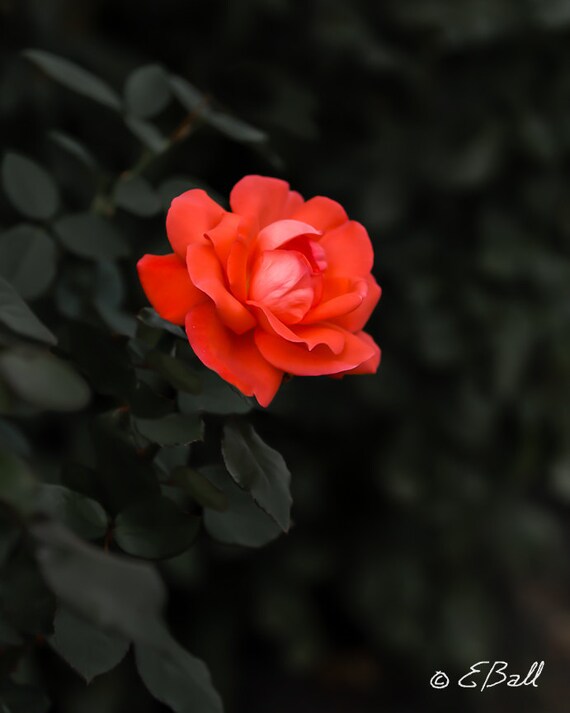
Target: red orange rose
(278, 285)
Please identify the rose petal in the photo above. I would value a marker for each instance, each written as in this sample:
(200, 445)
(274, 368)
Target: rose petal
(260, 199)
(348, 250)
(190, 216)
(311, 335)
(355, 321)
(293, 203)
(339, 305)
(224, 235)
(235, 358)
(168, 287)
(206, 273)
(371, 365)
(323, 213)
(297, 359)
(281, 231)
(236, 269)
(281, 280)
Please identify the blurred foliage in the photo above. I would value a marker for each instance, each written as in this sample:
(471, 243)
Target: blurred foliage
(430, 502)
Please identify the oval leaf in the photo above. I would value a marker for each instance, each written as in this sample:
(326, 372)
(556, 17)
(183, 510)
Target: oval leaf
(187, 94)
(200, 488)
(147, 91)
(172, 430)
(216, 396)
(17, 485)
(17, 316)
(74, 77)
(243, 523)
(81, 514)
(179, 680)
(88, 649)
(74, 148)
(27, 259)
(155, 529)
(43, 380)
(91, 236)
(147, 134)
(137, 196)
(235, 129)
(258, 469)
(29, 187)
(175, 371)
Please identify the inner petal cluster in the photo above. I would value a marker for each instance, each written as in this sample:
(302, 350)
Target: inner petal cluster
(282, 281)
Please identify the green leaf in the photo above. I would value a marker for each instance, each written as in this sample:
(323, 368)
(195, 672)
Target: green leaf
(10, 530)
(147, 134)
(23, 699)
(155, 529)
(147, 91)
(74, 77)
(91, 236)
(25, 599)
(145, 402)
(137, 196)
(258, 469)
(112, 592)
(88, 649)
(17, 316)
(81, 479)
(82, 515)
(73, 147)
(8, 635)
(172, 430)
(102, 358)
(29, 187)
(119, 595)
(243, 523)
(179, 680)
(235, 129)
(217, 396)
(12, 439)
(124, 470)
(17, 485)
(43, 380)
(200, 488)
(187, 94)
(175, 371)
(150, 318)
(27, 259)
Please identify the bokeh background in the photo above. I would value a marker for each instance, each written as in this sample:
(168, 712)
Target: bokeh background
(431, 501)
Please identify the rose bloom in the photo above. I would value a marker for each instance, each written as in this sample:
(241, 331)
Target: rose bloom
(277, 286)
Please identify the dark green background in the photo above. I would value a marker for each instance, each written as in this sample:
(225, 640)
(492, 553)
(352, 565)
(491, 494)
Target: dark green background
(430, 501)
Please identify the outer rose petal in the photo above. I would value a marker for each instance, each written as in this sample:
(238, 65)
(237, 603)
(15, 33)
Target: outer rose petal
(370, 366)
(356, 320)
(298, 360)
(294, 202)
(261, 200)
(348, 250)
(206, 273)
(190, 216)
(235, 358)
(323, 213)
(167, 285)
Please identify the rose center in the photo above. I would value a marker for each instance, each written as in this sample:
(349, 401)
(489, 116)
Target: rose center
(285, 281)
